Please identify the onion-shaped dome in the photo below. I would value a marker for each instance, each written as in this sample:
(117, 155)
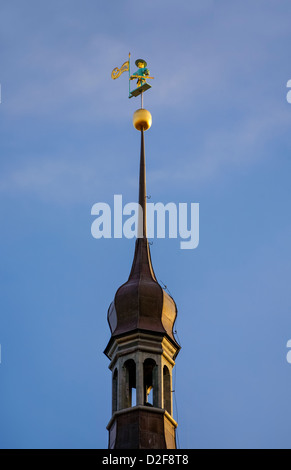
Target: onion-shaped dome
(141, 303)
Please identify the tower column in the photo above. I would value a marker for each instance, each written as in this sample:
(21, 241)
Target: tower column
(120, 386)
(158, 381)
(139, 380)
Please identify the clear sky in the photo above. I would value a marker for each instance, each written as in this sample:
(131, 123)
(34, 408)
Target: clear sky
(221, 137)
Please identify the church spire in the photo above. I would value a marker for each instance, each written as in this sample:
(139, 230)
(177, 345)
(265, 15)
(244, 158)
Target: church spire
(142, 348)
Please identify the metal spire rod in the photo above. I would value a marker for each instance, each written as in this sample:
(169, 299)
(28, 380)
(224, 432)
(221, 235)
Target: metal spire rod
(142, 227)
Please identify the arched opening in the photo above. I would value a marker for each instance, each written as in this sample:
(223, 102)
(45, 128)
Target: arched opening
(130, 383)
(114, 391)
(149, 382)
(167, 389)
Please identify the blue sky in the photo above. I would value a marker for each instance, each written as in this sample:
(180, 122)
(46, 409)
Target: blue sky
(220, 137)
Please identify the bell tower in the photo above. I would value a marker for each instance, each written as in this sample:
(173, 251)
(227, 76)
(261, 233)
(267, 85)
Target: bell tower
(142, 348)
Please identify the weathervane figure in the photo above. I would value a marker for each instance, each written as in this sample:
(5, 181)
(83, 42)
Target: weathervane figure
(141, 75)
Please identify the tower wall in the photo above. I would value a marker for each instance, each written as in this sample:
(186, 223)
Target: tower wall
(142, 363)
(142, 428)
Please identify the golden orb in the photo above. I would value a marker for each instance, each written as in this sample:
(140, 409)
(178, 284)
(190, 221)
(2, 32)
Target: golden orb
(142, 119)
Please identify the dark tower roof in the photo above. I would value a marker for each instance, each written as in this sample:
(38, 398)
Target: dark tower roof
(141, 304)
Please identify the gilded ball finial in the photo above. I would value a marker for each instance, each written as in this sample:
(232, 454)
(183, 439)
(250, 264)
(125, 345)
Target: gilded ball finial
(142, 119)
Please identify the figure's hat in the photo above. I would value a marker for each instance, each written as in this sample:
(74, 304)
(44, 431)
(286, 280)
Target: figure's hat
(142, 61)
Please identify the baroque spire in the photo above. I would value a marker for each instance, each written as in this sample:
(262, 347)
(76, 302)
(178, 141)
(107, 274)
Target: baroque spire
(142, 348)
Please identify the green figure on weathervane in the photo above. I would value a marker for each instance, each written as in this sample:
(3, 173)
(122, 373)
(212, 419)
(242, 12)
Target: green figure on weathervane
(142, 118)
(141, 75)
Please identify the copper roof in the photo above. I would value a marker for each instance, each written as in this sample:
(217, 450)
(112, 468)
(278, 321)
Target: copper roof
(141, 303)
